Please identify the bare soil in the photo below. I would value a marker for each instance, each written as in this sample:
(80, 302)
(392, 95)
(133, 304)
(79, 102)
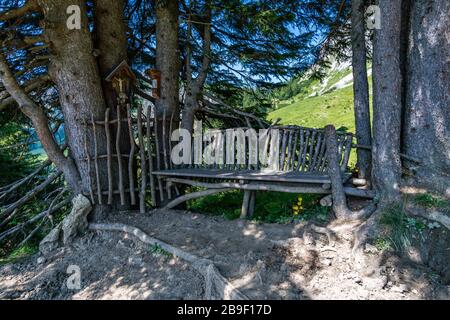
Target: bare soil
(264, 261)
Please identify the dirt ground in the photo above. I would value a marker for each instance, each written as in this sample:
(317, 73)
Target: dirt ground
(263, 261)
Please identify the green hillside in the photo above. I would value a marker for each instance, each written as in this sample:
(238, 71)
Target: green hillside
(319, 104)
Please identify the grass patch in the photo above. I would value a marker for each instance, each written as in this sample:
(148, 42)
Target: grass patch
(270, 207)
(398, 229)
(158, 251)
(20, 253)
(432, 202)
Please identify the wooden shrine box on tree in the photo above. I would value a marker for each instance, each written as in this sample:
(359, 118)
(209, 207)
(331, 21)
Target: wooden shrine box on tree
(122, 78)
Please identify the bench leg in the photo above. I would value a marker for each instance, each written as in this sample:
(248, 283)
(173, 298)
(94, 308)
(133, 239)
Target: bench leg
(245, 204)
(251, 206)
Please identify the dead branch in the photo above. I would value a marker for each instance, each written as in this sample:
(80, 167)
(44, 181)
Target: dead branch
(37, 217)
(21, 182)
(217, 286)
(31, 194)
(49, 210)
(28, 87)
(8, 218)
(30, 5)
(40, 124)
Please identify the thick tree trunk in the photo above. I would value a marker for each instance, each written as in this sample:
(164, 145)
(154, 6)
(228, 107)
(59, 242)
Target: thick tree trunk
(426, 135)
(387, 93)
(111, 42)
(167, 62)
(361, 89)
(74, 70)
(167, 57)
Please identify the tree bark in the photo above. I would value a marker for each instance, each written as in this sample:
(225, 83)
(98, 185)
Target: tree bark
(167, 57)
(427, 109)
(74, 70)
(387, 93)
(361, 89)
(111, 42)
(167, 107)
(194, 86)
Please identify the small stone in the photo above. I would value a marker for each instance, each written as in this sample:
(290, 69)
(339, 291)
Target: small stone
(135, 261)
(40, 260)
(370, 249)
(400, 288)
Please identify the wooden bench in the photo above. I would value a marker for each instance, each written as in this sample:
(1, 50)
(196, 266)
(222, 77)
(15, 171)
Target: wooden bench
(301, 166)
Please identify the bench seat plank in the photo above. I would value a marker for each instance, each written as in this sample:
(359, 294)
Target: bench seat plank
(253, 175)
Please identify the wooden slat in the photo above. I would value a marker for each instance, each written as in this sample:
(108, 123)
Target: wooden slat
(91, 192)
(143, 190)
(109, 157)
(150, 158)
(283, 148)
(311, 149)
(131, 158)
(119, 158)
(316, 152)
(346, 155)
(305, 149)
(97, 172)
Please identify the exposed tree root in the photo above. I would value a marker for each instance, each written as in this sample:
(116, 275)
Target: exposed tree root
(329, 233)
(216, 285)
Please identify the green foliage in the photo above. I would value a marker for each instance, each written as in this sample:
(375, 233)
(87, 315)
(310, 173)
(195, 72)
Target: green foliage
(15, 162)
(19, 253)
(382, 244)
(271, 207)
(432, 202)
(158, 251)
(398, 229)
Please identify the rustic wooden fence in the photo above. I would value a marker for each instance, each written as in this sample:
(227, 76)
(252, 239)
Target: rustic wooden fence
(299, 149)
(140, 128)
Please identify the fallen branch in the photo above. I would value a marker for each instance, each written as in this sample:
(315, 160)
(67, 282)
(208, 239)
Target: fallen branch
(31, 194)
(49, 210)
(21, 182)
(41, 215)
(217, 286)
(30, 5)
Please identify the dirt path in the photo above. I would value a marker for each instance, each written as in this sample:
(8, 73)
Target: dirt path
(263, 261)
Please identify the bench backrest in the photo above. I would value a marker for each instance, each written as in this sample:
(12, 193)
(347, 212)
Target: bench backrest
(281, 148)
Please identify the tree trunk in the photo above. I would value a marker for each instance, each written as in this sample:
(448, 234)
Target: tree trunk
(361, 89)
(111, 42)
(188, 113)
(387, 93)
(167, 57)
(427, 111)
(74, 70)
(167, 62)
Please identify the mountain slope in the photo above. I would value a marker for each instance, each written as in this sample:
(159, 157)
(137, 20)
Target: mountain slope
(319, 103)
